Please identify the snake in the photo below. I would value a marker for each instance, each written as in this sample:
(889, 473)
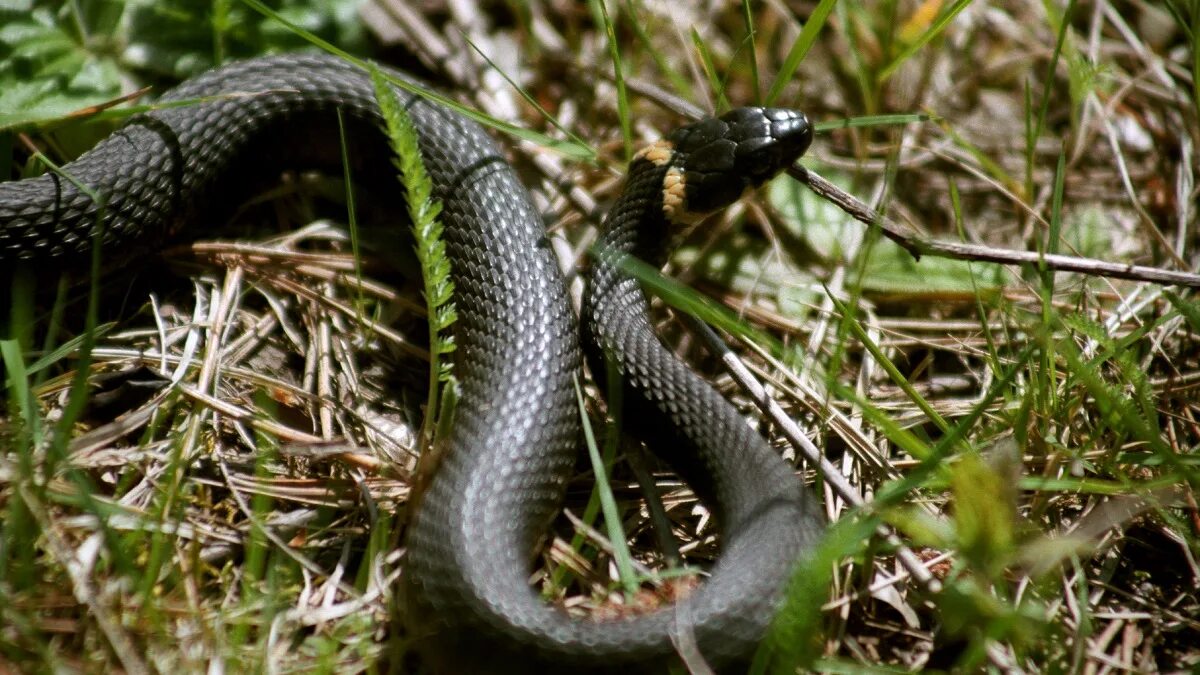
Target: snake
(470, 546)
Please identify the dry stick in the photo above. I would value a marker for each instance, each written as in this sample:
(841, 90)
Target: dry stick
(269, 532)
(919, 246)
(83, 584)
(796, 437)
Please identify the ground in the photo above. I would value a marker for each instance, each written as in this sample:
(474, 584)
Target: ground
(227, 486)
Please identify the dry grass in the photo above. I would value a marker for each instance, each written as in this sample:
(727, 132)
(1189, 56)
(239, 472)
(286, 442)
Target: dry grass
(235, 490)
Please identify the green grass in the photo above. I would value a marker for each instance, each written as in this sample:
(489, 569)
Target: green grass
(168, 501)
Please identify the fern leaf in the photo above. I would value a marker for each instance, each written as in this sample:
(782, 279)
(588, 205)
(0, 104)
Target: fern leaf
(423, 210)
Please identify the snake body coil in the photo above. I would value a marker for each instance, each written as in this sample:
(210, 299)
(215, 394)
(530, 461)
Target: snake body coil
(515, 437)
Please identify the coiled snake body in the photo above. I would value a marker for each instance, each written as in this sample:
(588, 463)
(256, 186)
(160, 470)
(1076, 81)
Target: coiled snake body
(515, 437)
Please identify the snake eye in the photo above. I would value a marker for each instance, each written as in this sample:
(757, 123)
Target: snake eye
(707, 192)
(757, 158)
(723, 156)
(768, 140)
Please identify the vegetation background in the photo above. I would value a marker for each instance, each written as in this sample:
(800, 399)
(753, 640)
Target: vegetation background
(209, 472)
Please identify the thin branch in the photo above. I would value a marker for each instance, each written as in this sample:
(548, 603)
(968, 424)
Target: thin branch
(769, 407)
(919, 246)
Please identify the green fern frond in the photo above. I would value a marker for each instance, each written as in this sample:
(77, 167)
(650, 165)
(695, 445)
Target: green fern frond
(423, 210)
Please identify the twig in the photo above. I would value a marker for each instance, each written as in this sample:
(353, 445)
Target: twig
(83, 585)
(805, 447)
(919, 246)
(269, 532)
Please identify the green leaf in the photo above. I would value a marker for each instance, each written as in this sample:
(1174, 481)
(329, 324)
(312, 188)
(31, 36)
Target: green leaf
(794, 638)
(833, 235)
(933, 31)
(922, 527)
(804, 42)
(1190, 309)
(970, 609)
(608, 502)
(984, 514)
(423, 210)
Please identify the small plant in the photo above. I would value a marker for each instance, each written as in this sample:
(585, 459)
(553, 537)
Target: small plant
(424, 210)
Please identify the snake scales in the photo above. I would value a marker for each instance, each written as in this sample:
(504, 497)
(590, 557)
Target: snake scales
(516, 431)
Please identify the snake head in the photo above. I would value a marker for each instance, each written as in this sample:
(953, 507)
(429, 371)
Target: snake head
(720, 158)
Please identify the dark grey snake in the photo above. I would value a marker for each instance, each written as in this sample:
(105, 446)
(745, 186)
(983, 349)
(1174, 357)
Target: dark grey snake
(516, 431)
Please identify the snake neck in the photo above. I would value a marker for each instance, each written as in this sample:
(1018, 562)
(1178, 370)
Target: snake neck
(636, 227)
(637, 224)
